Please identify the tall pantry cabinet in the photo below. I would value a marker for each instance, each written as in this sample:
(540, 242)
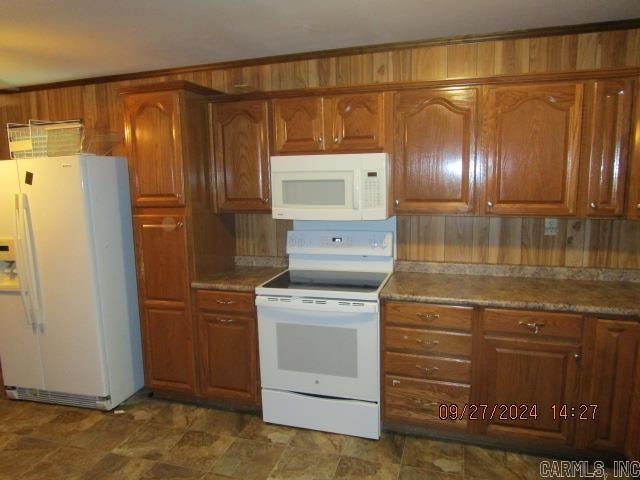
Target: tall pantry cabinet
(177, 235)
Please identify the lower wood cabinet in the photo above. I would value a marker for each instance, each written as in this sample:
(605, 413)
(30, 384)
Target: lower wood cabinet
(228, 347)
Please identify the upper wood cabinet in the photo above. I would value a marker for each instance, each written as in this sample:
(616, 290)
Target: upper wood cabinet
(350, 122)
(633, 198)
(610, 379)
(435, 146)
(153, 135)
(605, 148)
(530, 137)
(242, 156)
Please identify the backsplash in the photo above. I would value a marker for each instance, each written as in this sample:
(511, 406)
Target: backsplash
(479, 240)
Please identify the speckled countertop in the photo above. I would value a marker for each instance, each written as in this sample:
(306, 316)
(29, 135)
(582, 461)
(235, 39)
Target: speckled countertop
(596, 297)
(239, 279)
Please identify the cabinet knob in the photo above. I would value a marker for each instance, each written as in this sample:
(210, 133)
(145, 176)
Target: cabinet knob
(336, 140)
(593, 205)
(577, 357)
(179, 225)
(265, 200)
(638, 206)
(489, 204)
(320, 140)
(397, 202)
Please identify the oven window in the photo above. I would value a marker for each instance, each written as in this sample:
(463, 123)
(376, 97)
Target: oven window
(313, 349)
(314, 192)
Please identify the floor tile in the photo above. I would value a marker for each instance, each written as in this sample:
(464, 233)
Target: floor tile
(106, 434)
(68, 463)
(176, 415)
(163, 471)
(357, 469)
(525, 467)
(248, 460)
(482, 463)
(388, 449)
(6, 438)
(68, 422)
(221, 422)
(434, 455)
(117, 467)
(19, 415)
(198, 450)
(413, 473)
(267, 432)
(318, 441)
(305, 465)
(21, 454)
(140, 408)
(150, 441)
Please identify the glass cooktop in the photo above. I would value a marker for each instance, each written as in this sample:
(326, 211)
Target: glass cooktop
(328, 280)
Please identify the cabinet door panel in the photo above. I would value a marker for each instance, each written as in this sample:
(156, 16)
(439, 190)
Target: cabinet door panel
(355, 122)
(152, 129)
(161, 257)
(298, 125)
(242, 157)
(229, 363)
(526, 372)
(435, 151)
(168, 340)
(633, 199)
(531, 140)
(610, 381)
(606, 146)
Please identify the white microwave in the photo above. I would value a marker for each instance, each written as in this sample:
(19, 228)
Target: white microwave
(330, 187)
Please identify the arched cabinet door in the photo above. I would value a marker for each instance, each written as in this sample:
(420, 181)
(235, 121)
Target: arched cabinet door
(152, 128)
(435, 150)
(242, 156)
(531, 136)
(298, 125)
(355, 122)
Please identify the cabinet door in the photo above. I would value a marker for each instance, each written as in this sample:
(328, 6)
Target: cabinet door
(531, 139)
(527, 372)
(435, 150)
(161, 253)
(355, 122)
(298, 125)
(610, 380)
(606, 146)
(633, 199)
(632, 443)
(152, 130)
(168, 349)
(242, 156)
(228, 347)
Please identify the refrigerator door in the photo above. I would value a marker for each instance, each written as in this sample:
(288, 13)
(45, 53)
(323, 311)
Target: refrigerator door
(57, 217)
(19, 349)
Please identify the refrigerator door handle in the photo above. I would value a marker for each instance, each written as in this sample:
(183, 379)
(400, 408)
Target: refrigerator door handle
(30, 261)
(22, 263)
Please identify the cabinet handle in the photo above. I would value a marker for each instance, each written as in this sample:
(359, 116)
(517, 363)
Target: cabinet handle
(425, 405)
(224, 302)
(179, 225)
(226, 320)
(265, 200)
(395, 382)
(489, 204)
(427, 370)
(336, 140)
(428, 343)
(428, 316)
(593, 205)
(320, 140)
(533, 326)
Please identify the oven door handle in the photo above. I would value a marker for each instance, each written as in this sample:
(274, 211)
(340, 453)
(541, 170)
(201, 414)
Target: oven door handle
(317, 305)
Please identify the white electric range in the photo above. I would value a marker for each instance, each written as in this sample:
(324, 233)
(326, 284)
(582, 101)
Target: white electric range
(319, 332)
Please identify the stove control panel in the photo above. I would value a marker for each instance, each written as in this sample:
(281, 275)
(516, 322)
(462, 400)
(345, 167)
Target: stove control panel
(340, 243)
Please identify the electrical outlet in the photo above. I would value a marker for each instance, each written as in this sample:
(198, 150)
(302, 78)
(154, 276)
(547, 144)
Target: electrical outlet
(550, 227)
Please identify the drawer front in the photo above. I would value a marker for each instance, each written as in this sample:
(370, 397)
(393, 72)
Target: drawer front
(425, 342)
(220, 301)
(536, 324)
(418, 401)
(424, 315)
(428, 368)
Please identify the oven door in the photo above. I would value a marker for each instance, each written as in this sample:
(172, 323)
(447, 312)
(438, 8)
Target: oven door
(321, 347)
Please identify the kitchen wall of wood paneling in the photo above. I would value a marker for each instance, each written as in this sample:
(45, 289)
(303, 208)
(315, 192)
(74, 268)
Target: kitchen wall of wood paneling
(521, 241)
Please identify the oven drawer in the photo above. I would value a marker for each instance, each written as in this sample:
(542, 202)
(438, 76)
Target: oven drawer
(424, 315)
(538, 324)
(224, 301)
(426, 342)
(428, 368)
(418, 401)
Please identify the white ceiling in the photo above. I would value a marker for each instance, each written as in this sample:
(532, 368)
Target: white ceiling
(45, 41)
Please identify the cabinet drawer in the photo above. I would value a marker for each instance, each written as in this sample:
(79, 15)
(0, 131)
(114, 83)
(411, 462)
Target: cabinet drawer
(224, 301)
(425, 342)
(418, 401)
(432, 368)
(538, 324)
(425, 315)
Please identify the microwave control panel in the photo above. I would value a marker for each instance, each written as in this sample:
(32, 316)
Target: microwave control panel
(373, 196)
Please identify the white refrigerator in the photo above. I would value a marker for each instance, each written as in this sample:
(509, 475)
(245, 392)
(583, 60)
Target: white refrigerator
(69, 325)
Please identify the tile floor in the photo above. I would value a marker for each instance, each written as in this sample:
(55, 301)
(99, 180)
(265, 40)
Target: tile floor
(154, 439)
